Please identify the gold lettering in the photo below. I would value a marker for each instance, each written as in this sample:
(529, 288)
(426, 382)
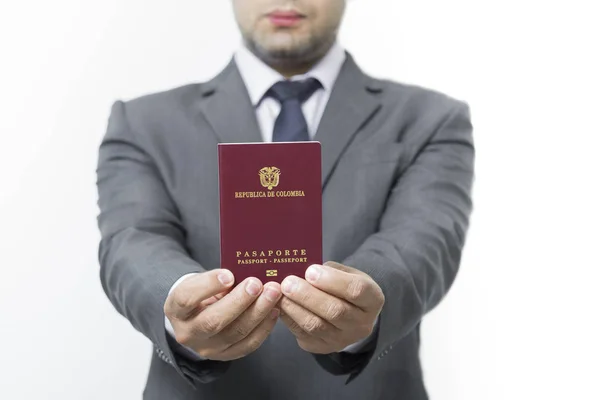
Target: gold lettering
(255, 195)
(249, 195)
(253, 261)
(289, 260)
(278, 256)
(290, 193)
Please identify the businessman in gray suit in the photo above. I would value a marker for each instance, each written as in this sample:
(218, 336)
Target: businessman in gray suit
(396, 182)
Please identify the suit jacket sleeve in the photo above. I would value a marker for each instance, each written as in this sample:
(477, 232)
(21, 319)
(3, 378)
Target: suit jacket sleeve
(415, 255)
(142, 251)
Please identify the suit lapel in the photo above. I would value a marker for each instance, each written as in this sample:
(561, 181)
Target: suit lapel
(228, 109)
(351, 105)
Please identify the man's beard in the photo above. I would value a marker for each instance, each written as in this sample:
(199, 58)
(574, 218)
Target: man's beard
(296, 55)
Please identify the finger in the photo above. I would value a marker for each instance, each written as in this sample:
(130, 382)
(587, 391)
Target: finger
(343, 268)
(209, 301)
(356, 288)
(214, 318)
(295, 328)
(251, 318)
(185, 300)
(312, 344)
(253, 341)
(308, 322)
(315, 346)
(215, 298)
(222, 294)
(336, 311)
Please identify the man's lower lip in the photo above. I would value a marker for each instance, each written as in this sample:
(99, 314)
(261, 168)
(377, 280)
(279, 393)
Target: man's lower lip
(284, 21)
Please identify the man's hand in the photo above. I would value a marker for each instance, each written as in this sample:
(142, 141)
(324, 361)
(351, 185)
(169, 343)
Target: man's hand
(218, 322)
(333, 308)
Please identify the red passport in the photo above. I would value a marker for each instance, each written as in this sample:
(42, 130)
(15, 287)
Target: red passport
(270, 209)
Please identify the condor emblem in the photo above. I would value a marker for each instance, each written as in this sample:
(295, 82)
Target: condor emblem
(269, 177)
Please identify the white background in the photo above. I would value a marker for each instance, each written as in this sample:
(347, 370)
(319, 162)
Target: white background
(522, 321)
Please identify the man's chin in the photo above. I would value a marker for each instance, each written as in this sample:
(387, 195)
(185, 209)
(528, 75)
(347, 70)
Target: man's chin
(284, 44)
(285, 50)
(290, 50)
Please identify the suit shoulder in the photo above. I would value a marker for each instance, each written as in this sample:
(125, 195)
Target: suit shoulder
(154, 117)
(151, 113)
(153, 102)
(419, 98)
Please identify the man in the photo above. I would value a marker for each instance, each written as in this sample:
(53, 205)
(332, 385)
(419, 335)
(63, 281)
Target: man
(397, 176)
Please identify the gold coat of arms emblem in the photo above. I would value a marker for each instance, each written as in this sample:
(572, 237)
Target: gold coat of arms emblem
(269, 177)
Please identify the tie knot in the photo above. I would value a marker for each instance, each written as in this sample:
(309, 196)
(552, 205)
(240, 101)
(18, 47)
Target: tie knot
(298, 90)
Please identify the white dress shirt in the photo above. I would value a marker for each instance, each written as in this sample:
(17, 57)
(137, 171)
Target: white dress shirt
(258, 78)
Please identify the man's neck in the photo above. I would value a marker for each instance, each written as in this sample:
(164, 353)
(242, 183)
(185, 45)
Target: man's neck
(290, 68)
(289, 71)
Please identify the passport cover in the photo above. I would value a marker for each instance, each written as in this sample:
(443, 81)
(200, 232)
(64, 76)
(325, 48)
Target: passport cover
(270, 208)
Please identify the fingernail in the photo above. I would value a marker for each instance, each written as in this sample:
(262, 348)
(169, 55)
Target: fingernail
(225, 277)
(274, 313)
(313, 273)
(290, 285)
(271, 294)
(252, 288)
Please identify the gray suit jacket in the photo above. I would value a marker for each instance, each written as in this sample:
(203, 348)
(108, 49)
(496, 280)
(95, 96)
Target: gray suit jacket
(397, 177)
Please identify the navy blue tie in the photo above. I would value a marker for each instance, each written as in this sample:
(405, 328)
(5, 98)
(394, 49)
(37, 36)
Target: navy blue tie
(290, 125)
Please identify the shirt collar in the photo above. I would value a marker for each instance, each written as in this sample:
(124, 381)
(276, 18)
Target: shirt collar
(259, 77)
